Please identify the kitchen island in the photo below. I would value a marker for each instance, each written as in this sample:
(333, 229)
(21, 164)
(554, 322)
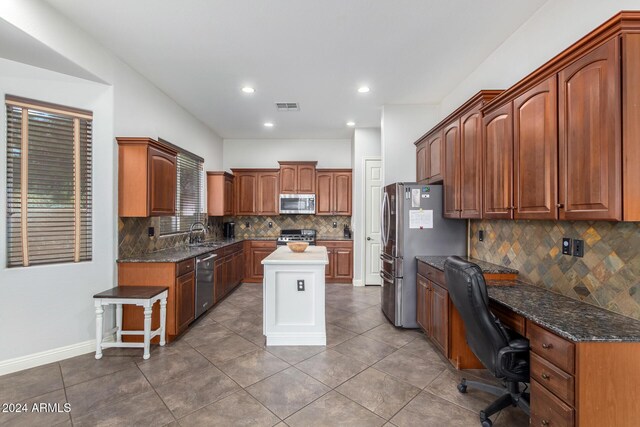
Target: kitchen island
(293, 303)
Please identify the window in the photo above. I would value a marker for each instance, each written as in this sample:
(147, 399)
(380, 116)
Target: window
(189, 197)
(48, 183)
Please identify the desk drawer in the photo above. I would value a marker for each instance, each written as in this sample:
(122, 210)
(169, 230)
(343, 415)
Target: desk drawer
(551, 347)
(553, 378)
(185, 267)
(547, 410)
(508, 318)
(436, 276)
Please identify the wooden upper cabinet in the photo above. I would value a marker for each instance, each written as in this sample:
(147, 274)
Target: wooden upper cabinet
(256, 191)
(451, 190)
(246, 190)
(498, 163)
(324, 193)
(421, 161)
(298, 177)
(220, 193)
(307, 178)
(268, 196)
(333, 194)
(590, 136)
(147, 178)
(288, 177)
(434, 158)
(471, 164)
(342, 185)
(535, 144)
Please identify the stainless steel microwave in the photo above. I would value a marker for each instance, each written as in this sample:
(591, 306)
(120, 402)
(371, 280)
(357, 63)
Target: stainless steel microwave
(297, 203)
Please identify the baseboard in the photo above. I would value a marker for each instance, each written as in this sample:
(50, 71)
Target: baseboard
(49, 356)
(358, 282)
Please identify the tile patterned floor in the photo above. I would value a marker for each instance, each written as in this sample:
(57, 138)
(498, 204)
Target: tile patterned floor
(221, 373)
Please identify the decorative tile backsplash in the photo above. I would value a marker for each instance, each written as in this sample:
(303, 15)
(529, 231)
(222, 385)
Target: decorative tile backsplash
(133, 236)
(258, 226)
(607, 276)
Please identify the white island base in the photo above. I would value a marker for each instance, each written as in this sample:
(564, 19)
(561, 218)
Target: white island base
(293, 299)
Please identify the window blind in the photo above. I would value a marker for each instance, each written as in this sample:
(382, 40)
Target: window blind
(49, 184)
(190, 195)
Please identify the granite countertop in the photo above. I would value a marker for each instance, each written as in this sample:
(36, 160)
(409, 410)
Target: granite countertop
(340, 237)
(574, 320)
(185, 252)
(486, 267)
(283, 255)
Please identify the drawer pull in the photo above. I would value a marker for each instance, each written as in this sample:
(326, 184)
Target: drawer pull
(544, 423)
(547, 346)
(545, 376)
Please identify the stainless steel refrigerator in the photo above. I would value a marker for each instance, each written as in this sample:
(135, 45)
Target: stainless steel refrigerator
(412, 225)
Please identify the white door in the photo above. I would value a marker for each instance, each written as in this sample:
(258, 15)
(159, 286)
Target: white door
(372, 200)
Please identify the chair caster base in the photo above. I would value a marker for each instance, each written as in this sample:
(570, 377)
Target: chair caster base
(462, 387)
(484, 420)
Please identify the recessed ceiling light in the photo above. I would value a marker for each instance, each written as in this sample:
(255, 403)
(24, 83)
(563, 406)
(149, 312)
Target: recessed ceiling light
(268, 124)
(363, 89)
(351, 123)
(248, 89)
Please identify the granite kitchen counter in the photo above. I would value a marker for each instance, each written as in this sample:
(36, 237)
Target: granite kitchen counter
(336, 238)
(574, 320)
(185, 252)
(486, 267)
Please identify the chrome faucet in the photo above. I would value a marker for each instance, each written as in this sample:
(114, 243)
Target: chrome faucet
(196, 239)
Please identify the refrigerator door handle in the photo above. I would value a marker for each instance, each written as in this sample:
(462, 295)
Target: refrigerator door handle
(386, 219)
(382, 218)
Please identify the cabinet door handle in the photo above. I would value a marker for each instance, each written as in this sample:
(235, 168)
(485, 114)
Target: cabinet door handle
(545, 376)
(547, 346)
(368, 238)
(544, 423)
(560, 205)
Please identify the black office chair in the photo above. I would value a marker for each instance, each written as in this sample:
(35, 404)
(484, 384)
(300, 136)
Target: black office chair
(505, 357)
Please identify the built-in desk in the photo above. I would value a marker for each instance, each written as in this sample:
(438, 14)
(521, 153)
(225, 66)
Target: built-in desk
(585, 361)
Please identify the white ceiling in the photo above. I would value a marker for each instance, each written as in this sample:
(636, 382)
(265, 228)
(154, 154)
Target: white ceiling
(314, 52)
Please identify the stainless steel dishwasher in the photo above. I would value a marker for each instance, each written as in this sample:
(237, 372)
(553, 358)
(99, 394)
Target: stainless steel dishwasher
(204, 283)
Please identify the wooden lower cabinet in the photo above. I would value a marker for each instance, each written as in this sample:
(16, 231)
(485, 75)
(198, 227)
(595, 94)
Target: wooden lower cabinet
(340, 267)
(256, 251)
(185, 301)
(180, 301)
(440, 320)
(228, 270)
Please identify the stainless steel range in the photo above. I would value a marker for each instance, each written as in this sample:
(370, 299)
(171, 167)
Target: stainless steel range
(297, 235)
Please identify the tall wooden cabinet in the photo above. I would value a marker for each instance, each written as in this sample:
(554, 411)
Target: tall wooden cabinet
(535, 148)
(451, 153)
(498, 163)
(297, 177)
(333, 194)
(256, 191)
(220, 194)
(147, 177)
(590, 135)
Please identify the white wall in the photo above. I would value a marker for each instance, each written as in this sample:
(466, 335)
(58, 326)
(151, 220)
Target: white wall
(401, 126)
(366, 143)
(49, 307)
(265, 153)
(553, 28)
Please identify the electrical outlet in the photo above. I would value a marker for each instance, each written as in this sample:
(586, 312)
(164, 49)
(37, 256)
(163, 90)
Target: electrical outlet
(480, 235)
(151, 231)
(578, 248)
(566, 245)
(247, 225)
(335, 225)
(270, 224)
(300, 285)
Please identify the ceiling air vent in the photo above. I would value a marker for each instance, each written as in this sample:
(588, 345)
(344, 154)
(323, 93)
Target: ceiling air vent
(287, 106)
